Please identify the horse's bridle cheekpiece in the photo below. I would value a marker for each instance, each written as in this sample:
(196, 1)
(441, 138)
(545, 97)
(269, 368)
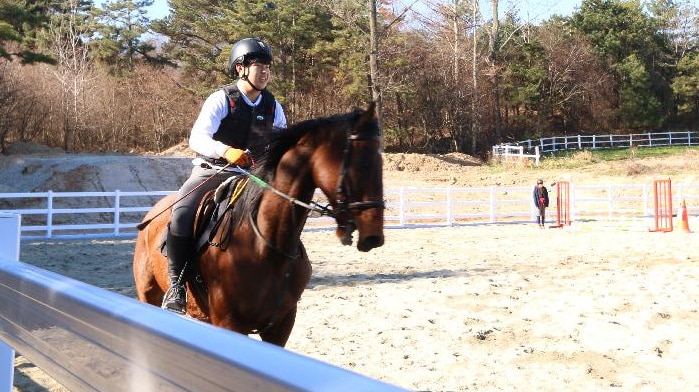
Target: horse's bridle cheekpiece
(344, 206)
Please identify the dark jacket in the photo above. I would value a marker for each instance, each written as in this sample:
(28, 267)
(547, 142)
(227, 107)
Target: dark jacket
(538, 195)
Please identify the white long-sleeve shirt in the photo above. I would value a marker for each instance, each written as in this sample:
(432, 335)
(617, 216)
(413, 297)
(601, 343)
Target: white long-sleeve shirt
(214, 110)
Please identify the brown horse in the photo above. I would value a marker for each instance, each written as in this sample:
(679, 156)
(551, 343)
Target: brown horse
(256, 267)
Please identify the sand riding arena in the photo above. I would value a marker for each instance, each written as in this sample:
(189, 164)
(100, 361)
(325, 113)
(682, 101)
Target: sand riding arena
(490, 307)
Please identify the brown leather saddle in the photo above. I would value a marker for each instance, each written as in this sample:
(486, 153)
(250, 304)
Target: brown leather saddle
(208, 222)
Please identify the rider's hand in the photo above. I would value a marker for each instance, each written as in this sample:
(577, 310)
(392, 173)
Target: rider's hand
(236, 156)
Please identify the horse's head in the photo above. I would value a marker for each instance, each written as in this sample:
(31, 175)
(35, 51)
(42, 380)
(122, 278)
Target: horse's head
(341, 156)
(352, 178)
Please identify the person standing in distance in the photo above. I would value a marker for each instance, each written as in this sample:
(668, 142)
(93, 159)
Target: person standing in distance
(222, 134)
(541, 201)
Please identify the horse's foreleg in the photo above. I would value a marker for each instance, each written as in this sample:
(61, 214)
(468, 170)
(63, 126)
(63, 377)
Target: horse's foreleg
(281, 330)
(146, 284)
(148, 290)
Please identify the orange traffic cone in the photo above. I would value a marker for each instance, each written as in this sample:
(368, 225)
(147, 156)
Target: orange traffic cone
(685, 221)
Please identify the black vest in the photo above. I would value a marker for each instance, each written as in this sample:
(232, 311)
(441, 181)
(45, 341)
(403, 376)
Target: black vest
(236, 129)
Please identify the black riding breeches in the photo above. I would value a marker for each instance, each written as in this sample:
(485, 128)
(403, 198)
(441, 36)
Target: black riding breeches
(185, 210)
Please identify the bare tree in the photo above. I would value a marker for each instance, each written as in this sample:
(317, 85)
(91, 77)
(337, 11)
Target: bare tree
(494, 69)
(8, 101)
(373, 54)
(66, 35)
(475, 121)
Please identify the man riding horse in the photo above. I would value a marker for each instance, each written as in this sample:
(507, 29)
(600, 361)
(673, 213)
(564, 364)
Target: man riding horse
(222, 134)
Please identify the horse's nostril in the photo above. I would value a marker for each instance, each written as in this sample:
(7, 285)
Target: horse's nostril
(370, 242)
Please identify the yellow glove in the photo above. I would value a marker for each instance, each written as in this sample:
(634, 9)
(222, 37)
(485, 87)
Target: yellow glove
(236, 157)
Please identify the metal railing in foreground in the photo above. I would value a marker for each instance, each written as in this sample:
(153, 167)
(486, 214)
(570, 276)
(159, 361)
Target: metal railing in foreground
(90, 339)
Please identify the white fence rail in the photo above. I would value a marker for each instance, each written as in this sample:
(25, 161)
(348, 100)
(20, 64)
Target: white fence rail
(594, 142)
(91, 339)
(506, 151)
(533, 147)
(116, 214)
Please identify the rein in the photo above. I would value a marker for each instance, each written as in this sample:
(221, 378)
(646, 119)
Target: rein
(312, 206)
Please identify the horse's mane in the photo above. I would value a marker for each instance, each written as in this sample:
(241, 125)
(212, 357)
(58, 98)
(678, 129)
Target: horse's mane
(276, 144)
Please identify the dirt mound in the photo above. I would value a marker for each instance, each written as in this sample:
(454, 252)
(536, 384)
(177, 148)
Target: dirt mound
(429, 163)
(78, 173)
(179, 150)
(30, 148)
(33, 168)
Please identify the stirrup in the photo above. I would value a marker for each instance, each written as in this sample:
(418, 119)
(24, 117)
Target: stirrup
(175, 299)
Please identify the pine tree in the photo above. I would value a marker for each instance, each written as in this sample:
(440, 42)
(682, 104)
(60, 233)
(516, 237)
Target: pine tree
(19, 20)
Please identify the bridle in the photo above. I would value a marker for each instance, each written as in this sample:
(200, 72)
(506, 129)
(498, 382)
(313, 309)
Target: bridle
(343, 191)
(344, 206)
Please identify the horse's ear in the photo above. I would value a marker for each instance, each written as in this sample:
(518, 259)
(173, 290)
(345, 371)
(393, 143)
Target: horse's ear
(371, 110)
(367, 115)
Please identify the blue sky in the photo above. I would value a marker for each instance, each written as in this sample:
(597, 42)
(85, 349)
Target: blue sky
(543, 9)
(158, 10)
(533, 10)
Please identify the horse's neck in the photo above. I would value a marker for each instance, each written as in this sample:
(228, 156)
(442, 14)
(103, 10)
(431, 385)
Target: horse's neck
(279, 220)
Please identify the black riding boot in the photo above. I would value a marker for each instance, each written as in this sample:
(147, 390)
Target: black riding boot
(180, 250)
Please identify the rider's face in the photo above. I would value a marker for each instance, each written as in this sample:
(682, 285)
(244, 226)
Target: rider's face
(259, 74)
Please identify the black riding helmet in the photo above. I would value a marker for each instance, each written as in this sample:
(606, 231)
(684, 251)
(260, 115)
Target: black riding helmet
(247, 51)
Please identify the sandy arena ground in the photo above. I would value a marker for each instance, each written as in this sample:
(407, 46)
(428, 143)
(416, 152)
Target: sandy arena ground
(498, 307)
(595, 306)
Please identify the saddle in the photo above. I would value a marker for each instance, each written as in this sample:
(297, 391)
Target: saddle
(208, 222)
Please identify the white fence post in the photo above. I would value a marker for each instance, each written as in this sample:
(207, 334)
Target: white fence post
(117, 211)
(9, 252)
(49, 215)
(450, 208)
(401, 209)
(492, 204)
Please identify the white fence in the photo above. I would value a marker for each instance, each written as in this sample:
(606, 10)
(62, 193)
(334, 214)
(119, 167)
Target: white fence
(116, 214)
(91, 339)
(594, 142)
(506, 151)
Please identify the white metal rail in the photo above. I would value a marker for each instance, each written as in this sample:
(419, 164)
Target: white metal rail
(91, 339)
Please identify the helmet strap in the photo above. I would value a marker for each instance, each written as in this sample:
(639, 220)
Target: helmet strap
(245, 78)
